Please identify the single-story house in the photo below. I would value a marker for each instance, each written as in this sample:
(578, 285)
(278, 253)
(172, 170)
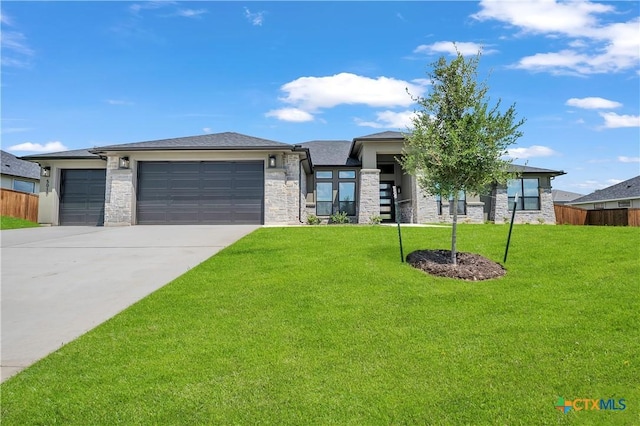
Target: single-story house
(19, 175)
(230, 178)
(563, 197)
(621, 195)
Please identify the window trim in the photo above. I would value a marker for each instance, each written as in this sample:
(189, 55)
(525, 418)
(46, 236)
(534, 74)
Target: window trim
(335, 181)
(522, 198)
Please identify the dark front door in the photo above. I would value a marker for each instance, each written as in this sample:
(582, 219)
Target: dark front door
(82, 197)
(192, 192)
(387, 210)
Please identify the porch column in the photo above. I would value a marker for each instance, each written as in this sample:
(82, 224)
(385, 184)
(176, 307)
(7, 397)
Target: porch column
(118, 197)
(369, 199)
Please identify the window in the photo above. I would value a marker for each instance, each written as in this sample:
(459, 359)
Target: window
(347, 174)
(347, 197)
(324, 198)
(528, 194)
(598, 206)
(335, 191)
(24, 186)
(462, 204)
(626, 203)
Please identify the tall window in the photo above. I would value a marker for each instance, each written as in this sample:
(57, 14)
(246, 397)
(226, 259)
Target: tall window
(328, 184)
(528, 194)
(462, 204)
(347, 197)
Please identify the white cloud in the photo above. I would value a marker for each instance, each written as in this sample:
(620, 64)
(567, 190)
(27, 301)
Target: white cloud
(389, 120)
(16, 51)
(206, 129)
(466, 48)
(6, 130)
(308, 95)
(312, 93)
(149, 5)
(613, 120)
(36, 147)
(544, 16)
(593, 103)
(290, 114)
(594, 46)
(530, 152)
(624, 159)
(118, 102)
(191, 13)
(256, 18)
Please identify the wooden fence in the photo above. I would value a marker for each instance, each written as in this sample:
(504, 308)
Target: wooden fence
(608, 217)
(19, 204)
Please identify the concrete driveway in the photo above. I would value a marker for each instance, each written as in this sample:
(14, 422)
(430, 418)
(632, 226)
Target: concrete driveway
(60, 282)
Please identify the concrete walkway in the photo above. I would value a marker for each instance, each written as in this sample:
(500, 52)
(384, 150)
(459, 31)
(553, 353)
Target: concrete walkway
(60, 282)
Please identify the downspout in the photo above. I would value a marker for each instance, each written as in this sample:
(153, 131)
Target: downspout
(299, 148)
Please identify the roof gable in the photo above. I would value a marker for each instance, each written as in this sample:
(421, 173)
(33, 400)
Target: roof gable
(12, 165)
(330, 153)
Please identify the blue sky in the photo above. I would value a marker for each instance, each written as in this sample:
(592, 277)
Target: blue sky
(84, 74)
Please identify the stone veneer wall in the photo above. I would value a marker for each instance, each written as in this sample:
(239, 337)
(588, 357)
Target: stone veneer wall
(425, 206)
(546, 214)
(119, 192)
(282, 194)
(369, 199)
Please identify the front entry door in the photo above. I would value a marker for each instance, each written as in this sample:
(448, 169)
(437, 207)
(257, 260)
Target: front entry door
(387, 212)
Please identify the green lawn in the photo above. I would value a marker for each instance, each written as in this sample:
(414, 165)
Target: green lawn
(8, 222)
(324, 325)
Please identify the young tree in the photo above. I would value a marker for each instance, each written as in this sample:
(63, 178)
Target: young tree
(458, 140)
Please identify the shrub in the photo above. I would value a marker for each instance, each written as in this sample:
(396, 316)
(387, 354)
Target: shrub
(339, 217)
(375, 220)
(312, 219)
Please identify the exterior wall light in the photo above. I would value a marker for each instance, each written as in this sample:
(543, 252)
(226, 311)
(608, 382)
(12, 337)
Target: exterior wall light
(124, 162)
(272, 161)
(46, 171)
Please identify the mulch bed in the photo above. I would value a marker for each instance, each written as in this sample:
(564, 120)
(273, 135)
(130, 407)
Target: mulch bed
(470, 267)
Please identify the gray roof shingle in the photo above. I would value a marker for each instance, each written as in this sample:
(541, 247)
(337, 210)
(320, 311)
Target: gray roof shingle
(560, 196)
(226, 140)
(528, 169)
(12, 165)
(73, 154)
(383, 135)
(624, 190)
(330, 153)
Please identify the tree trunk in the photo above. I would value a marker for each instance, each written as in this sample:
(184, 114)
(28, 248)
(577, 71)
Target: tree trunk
(454, 227)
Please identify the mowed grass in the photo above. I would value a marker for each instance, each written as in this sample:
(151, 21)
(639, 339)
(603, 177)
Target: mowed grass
(8, 222)
(324, 325)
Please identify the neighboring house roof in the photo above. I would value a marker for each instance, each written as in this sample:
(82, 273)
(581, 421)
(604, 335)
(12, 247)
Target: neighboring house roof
(624, 190)
(382, 135)
(63, 155)
(330, 153)
(559, 196)
(226, 140)
(12, 165)
(528, 169)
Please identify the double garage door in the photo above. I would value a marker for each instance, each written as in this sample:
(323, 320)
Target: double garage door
(181, 192)
(192, 192)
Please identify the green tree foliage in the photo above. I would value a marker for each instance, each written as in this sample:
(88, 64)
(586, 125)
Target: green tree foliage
(458, 140)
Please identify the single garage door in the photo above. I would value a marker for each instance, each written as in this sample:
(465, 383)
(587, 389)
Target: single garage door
(192, 192)
(82, 197)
